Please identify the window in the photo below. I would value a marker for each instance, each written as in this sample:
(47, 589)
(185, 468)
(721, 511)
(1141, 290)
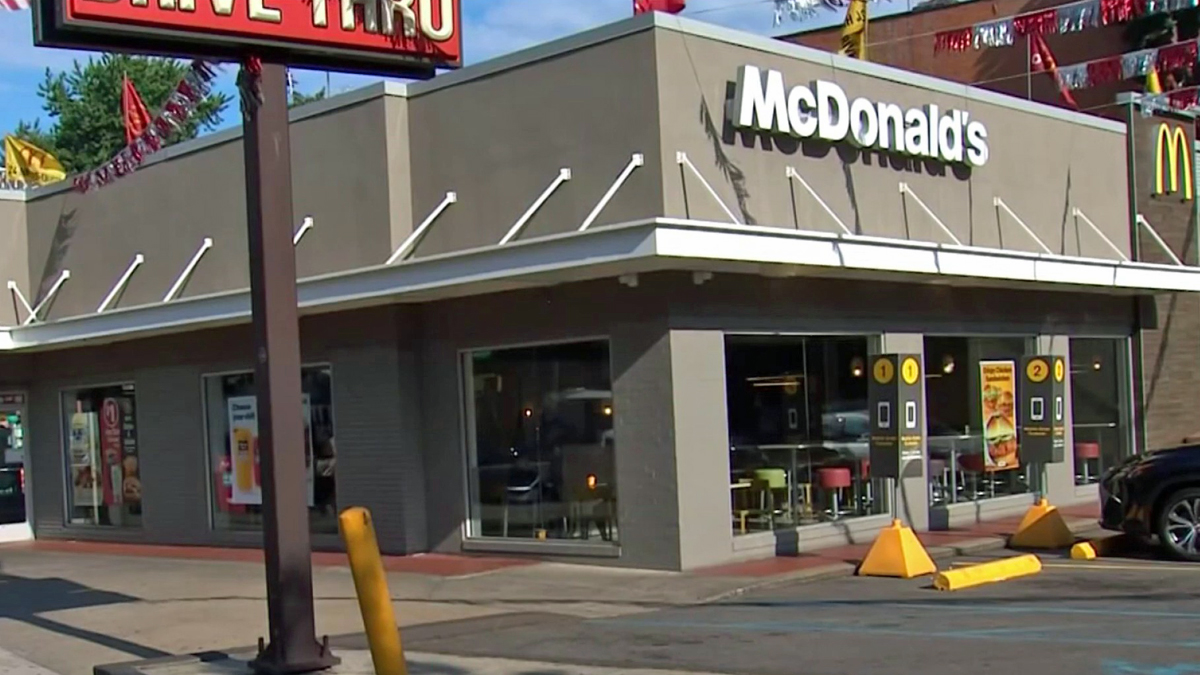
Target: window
(540, 442)
(799, 428)
(232, 418)
(104, 484)
(1099, 372)
(971, 416)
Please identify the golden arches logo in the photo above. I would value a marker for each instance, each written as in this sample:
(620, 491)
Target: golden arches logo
(1178, 159)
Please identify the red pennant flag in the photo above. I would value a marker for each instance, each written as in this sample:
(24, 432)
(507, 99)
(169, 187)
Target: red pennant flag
(1042, 60)
(133, 110)
(668, 6)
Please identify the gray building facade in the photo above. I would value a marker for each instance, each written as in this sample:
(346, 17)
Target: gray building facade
(570, 303)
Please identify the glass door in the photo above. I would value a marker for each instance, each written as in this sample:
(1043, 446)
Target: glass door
(14, 494)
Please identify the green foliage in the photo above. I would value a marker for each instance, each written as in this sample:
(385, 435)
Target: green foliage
(299, 99)
(84, 104)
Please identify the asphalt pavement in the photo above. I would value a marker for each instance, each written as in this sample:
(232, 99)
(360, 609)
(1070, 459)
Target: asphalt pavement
(1115, 616)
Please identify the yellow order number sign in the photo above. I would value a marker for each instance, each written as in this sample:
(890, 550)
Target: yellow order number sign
(910, 371)
(1060, 370)
(883, 370)
(1037, 370)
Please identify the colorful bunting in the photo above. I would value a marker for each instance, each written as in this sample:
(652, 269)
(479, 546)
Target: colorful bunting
(997, 33)
(180, 106)
(1072, 17)
(1038, 23)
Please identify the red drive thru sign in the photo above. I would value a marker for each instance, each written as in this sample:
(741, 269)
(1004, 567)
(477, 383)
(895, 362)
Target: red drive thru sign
(400, 37)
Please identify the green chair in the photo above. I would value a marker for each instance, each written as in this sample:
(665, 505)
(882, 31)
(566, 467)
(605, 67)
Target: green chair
(770, 482)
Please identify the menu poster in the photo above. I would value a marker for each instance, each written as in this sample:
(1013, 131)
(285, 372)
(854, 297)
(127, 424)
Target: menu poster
(132, 484)
(998, 391)
(243, 444)
(84, 460)
(111, 451)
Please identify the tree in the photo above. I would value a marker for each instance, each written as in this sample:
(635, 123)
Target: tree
(85, 106)
(299, 99)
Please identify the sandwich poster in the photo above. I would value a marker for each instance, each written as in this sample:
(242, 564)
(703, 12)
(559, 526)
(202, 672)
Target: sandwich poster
(85, 462)
(243, 445)
(998, 391)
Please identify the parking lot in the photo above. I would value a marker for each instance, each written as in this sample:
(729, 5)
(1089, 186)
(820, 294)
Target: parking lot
(1126, 615)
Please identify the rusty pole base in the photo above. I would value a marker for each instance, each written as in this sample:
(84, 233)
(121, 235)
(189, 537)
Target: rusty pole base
(270, 662)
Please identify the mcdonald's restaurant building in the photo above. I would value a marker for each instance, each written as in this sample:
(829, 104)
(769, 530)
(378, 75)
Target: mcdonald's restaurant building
(612, 299)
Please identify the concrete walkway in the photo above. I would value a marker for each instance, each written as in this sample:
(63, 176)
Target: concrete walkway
(11, 664)
(68, 606)
(358, 662)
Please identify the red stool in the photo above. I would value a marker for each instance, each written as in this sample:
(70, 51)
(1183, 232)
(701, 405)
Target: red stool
(974, 464)
(1087, 452)
(864, 484)
(834, 479)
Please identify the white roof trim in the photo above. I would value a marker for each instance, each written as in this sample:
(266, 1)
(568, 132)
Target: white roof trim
(640, 246)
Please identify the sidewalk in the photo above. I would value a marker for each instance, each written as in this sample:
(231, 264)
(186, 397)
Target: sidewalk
(358, 662)
(11, 664)
(70, 605)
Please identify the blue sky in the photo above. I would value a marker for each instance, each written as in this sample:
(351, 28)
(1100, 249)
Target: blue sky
(490, 28)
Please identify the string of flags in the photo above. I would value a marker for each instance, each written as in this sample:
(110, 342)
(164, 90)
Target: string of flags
(1072, 17)
(180, 106)
(799, 10)
(1127, 66)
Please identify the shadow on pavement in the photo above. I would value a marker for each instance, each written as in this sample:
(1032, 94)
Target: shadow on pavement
(26, 599)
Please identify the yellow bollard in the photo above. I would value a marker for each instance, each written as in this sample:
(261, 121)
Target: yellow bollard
(370, 584)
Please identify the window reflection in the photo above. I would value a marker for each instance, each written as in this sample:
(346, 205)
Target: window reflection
(1098, 368)
(798, 428)
(236, 477)
(971, 417)
(542, 454)
(103, 457)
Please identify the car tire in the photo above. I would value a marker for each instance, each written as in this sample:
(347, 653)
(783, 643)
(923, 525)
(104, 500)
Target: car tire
(1179, 525)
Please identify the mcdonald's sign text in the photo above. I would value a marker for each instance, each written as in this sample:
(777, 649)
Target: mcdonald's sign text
(1173, 163)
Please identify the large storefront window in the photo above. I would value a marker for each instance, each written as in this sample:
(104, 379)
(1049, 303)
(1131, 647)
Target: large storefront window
(541, 449)
(104, 485)
(798, 427)
(972, 417)
(1099, 372)
(236, 485)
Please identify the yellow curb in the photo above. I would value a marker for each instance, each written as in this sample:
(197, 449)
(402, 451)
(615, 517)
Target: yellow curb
(1083, 551)
(988, 572)
(1098, 548)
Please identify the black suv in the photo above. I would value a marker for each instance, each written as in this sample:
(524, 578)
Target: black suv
(1156, 493)
(12, 494)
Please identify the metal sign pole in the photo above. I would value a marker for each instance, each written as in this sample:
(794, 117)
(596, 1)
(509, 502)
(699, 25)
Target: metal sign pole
(293, 646)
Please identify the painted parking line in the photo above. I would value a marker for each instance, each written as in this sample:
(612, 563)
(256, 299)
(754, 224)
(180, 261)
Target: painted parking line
(1145, 566)
(973, 607)
(809, 627)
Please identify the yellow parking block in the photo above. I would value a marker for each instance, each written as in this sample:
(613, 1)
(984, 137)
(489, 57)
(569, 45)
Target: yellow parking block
(988, 572)
(1096, 548)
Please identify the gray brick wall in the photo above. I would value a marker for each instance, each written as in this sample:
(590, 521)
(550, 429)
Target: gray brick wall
(377, 432)
(174, 467)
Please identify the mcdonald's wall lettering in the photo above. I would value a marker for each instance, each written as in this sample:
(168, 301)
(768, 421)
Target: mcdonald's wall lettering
(1164, 184)
(1173, 174)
